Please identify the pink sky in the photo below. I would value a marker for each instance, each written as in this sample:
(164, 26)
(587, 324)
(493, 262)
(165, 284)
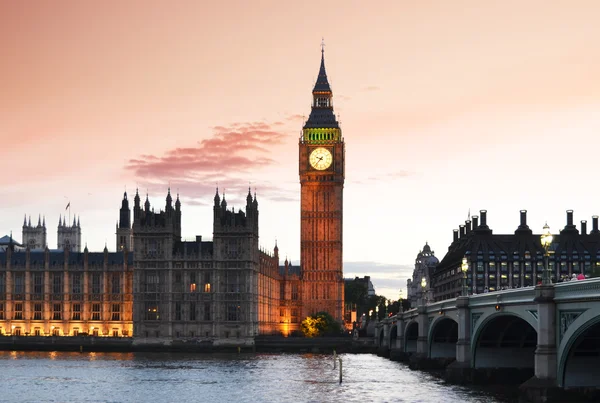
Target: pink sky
(445, 107)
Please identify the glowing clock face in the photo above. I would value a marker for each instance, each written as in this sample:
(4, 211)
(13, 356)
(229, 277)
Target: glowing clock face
(320, 158)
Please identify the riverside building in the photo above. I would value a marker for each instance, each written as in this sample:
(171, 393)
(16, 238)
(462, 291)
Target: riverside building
(500, 261)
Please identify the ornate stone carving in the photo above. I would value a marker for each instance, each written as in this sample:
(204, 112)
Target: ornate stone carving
(566, 319)
(474, 318)
(534, 313)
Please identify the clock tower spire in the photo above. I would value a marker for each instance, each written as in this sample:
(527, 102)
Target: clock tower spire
(322, 170)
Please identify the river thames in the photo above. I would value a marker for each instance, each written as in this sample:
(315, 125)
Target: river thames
(164, 377)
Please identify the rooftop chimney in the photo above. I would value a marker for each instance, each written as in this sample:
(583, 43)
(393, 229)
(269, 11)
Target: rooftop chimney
(483, 218)
(463, 231)
(454, 235)
(570, 228)
(523, 227)
(595, 225)
(468, 226)
(475, 222)
(523, 218)
(583, 227)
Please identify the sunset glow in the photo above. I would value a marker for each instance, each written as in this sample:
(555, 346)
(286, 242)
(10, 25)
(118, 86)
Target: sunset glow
(445, 108)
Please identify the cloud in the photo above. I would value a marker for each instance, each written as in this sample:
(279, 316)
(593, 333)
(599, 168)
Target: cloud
(386, 177)
(391, 176)
(227, 158)
(371, 88)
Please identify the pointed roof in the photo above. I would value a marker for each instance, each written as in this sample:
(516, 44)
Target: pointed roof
(321, 116)
(322, 84)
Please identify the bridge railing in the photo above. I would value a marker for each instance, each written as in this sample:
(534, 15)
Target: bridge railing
(577, 290)
(511, 296)
(441, 305)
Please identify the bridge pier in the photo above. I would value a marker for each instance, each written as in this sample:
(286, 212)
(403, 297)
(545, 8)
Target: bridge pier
(421, 360)
(460, 371)
(383, 349)
(397, 350)
(543, 387)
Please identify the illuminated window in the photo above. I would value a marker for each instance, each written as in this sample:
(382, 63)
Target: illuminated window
(115, 333)
(95, 311)
(116, 312)
(95, 332)
(56, 332)
(152, 310)
(37, 331)
(207, 287)
(193, 287)
(18, 311)
(76, 311)
(75, 331)
(17, 331)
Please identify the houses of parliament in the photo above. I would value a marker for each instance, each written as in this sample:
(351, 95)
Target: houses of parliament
(158, 288)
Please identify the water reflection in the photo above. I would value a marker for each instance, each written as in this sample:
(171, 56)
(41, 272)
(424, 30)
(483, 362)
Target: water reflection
(126, 377)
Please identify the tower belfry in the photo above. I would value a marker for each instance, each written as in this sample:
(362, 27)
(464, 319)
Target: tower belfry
(321, 169)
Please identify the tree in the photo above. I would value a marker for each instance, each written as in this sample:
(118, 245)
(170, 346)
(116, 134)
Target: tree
(320, 324)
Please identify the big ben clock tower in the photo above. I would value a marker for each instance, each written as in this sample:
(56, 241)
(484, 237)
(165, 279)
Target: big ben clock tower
(321, 167)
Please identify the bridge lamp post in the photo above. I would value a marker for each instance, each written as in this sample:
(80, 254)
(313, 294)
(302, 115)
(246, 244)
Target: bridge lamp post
(546, 240)
(464, 267)
(424, 286)
(386, 308)
(377, 312)
(400, 309)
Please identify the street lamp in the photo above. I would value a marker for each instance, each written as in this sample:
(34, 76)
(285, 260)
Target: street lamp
(546, 240)
(400, 302)
(423, 286)
(377, 312)
(465, 268)
(386, 306)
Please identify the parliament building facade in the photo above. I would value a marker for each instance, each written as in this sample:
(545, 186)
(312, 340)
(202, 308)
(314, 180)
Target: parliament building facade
(158, 288)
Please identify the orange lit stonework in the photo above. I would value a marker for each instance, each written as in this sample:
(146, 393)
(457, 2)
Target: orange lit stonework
(321, 169)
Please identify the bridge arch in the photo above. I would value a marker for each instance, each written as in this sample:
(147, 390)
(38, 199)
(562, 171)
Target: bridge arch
(579, 351)
(504, 340)
(411, 334)
(443, 335)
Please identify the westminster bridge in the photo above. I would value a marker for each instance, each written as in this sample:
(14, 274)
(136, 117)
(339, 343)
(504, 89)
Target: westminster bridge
(548, 335)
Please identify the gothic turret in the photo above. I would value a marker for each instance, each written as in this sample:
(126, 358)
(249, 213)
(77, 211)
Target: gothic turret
(249, 198)
(177, 203)
(217, 198)
(169, 204)
(125, 213)
(147, 204)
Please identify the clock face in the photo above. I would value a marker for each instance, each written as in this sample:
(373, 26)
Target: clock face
(320, 158)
